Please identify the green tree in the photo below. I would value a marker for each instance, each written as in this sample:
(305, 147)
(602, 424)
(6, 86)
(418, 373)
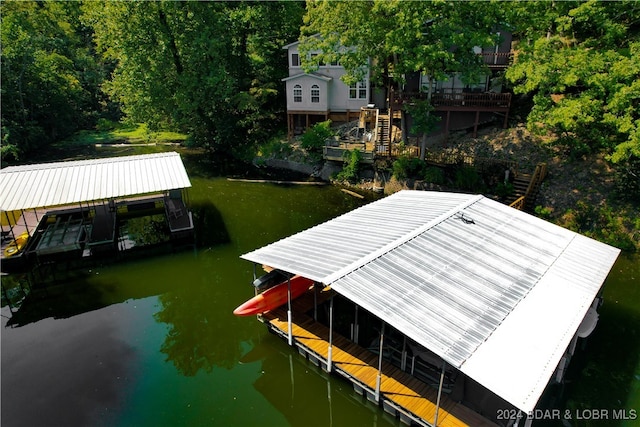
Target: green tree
(579, 61)
(392, 38)
(205, 68)
(49, 75)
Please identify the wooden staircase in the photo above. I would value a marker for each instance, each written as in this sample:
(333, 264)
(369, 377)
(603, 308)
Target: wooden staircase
(383, 133)
(526, 188)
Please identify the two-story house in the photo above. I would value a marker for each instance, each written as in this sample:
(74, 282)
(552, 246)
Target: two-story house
(321, 95)
(460, 104)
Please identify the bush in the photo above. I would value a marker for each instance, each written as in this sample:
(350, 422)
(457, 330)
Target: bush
(351, 169)
(106, 124)
(467, 178)
(313, 140)
(434, 175)
(409, 168)
(275, 147)
(543, 212)
(627, 180)
(504, 189)
(601, 223)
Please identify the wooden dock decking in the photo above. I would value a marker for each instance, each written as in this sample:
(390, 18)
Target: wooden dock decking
(400, 393)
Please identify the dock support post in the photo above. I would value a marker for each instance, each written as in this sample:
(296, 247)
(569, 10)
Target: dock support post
(379, 377)
(24, 219)
(435, 417)
(290, 327)
(330, 351)
(315, 302)
(255, 290)
(355, 327)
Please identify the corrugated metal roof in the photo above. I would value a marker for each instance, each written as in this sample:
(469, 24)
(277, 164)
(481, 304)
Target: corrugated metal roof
(464, 276)
(61, 183)
(324, 250)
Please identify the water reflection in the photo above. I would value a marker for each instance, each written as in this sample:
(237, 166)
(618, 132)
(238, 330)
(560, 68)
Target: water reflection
(67, 372)
(197, 337)
(305, 394)
(153, 341)
(606, 375)
(209, 225)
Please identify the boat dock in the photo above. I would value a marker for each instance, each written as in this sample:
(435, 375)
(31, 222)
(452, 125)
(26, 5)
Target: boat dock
(400, 394)
(446, 309)
(62, 215)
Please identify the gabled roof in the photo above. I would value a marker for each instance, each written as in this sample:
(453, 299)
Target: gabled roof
(61, 183)
(314, 75)
(496, 292)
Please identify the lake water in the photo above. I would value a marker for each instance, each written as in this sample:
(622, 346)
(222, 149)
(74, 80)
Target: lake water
(153, 342)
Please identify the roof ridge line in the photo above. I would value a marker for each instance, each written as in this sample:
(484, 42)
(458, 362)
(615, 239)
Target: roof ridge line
(394, 244)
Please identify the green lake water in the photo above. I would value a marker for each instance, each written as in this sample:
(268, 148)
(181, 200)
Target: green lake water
(153, 342)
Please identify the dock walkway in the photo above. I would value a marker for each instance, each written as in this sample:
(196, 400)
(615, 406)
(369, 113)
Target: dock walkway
(400, 393)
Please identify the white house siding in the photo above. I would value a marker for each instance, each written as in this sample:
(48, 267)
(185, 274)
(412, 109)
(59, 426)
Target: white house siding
(306, 81)
(334, 94)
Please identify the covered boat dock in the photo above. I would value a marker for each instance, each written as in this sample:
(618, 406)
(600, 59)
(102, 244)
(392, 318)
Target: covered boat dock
(72, 209)
(491, 299)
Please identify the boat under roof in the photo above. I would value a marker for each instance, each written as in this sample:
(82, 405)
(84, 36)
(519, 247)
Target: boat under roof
(495, 292)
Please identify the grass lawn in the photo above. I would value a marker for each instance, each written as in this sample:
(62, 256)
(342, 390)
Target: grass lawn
(122, 134)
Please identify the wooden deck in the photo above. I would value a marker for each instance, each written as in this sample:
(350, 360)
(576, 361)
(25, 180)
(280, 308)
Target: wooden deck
(400, 393)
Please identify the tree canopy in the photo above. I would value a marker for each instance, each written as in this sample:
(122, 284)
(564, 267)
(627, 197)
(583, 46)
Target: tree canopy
(209, 69)
(50, 77)
(397, 37)
(214, 69)
(580, 63)
(392, 38)
(206, 68)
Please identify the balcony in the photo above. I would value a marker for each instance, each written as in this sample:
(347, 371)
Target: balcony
(455, 100)
(497, 60)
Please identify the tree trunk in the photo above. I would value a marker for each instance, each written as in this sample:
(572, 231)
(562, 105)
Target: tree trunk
(423, 142)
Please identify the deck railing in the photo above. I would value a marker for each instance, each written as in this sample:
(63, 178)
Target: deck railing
(497, 59)
(338, 153)
(455, 99)
(443, 158)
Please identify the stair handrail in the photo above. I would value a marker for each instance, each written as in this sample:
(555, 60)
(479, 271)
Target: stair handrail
(518, 203)
(538, 175)
(375, 137)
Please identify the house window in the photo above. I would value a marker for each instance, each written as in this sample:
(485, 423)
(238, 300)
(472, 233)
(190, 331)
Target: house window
(315, 93)
(358, 90)
(297, 93)
(295, 60)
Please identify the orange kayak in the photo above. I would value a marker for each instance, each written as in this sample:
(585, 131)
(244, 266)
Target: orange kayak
(274, 297)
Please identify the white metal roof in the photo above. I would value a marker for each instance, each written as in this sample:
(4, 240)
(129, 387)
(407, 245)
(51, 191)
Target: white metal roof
(60, 183)
(495, 292)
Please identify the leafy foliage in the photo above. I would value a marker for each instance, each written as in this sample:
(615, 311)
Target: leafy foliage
(352, 164)
(206, 68)
(314, 138)
(602, 223)
(580, 61)
(50, 79)
(627, 180)
(434, 175)
(396, 37)
(467, 178)
(409, 168)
